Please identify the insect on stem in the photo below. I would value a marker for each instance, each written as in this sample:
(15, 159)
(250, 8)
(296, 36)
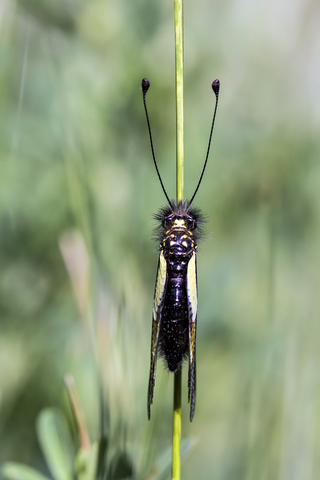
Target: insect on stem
(175, 304)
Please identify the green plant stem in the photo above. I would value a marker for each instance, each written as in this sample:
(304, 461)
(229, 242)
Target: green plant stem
(176, 440)
(178, 29)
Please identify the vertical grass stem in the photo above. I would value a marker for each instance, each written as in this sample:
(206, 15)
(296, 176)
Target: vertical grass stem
(178, 29)
(176, 440)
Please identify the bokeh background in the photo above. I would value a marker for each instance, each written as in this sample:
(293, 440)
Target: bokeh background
(77, 194)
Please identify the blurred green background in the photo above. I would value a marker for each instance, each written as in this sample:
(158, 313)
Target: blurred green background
(77, 194)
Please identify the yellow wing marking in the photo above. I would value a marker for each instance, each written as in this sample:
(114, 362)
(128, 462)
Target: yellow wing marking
(160, 285)
(156, 317)
(192, 303)
(192, 288)
(192, 314)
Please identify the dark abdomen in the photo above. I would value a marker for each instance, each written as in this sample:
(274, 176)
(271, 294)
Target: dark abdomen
(173, 335)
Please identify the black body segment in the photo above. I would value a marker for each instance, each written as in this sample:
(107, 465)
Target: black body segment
(175, 298)
(173, 336)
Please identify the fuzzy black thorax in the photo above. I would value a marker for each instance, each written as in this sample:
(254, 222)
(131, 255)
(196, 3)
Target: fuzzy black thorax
(179, 216)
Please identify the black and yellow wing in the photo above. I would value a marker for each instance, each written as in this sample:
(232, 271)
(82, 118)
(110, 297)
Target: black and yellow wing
(192, 293)
(159, 295)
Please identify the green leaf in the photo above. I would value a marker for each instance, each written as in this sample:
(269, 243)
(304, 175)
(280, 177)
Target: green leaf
(18, 471)
(86, 463)
(56, 444)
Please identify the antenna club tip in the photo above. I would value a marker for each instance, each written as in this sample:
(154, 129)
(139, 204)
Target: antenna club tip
(145, 85)
(216, 86)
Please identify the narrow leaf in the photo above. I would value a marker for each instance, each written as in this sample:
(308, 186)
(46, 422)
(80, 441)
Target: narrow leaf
(56, 444)
(86, 463)
(18, 471)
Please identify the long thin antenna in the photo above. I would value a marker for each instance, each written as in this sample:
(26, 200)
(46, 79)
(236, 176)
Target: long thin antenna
(145, 86)
(215, 87)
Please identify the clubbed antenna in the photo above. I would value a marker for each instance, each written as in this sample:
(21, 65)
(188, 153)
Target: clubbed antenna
(215, 87)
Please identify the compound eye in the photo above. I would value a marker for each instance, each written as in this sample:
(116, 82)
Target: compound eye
(167, 222)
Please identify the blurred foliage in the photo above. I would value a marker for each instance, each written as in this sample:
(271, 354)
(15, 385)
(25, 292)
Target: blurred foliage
(77, 194)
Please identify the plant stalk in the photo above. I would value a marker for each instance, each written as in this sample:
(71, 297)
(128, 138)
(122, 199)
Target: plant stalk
(178, 30)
